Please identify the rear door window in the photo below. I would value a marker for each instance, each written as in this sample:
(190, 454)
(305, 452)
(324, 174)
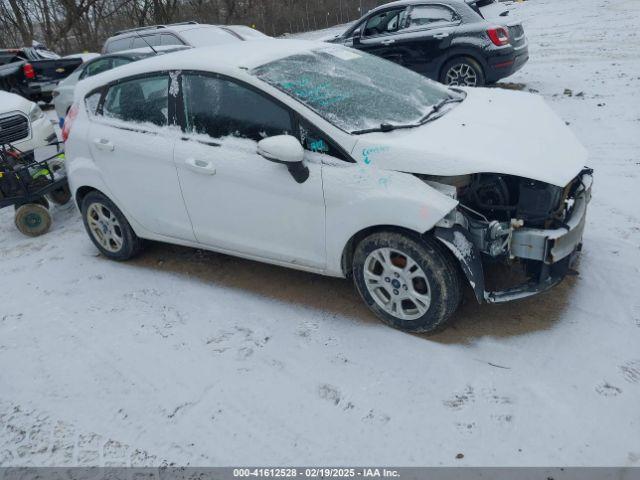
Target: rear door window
(140, 100)
(119, 61)
(96, 67)
(141, 42)
(218, 107)
(425, 16)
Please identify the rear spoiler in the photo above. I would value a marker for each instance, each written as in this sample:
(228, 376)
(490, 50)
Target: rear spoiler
(478, 4)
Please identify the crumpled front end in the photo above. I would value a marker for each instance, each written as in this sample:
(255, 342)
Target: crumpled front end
(528, 231)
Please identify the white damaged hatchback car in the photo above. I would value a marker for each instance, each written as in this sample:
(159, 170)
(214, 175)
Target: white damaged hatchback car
(326, 159)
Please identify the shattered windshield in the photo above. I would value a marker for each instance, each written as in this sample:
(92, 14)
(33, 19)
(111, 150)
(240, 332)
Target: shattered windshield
(353, 90)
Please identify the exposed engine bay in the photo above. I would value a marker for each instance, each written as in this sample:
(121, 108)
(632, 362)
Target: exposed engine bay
(514, 221)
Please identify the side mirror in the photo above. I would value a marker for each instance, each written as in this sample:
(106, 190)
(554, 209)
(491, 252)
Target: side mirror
(287, 150)
(355, 36)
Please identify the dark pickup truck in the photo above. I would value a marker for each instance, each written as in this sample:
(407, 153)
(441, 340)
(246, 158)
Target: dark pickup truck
(33, 72)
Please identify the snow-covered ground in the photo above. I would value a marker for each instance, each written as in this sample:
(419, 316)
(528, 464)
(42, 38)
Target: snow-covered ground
(197, 358)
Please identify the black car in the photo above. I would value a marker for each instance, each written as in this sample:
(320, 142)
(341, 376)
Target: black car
(447, 40)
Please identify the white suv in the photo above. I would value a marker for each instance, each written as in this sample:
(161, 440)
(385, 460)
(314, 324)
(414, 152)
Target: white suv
(23, 124)
(325, 159)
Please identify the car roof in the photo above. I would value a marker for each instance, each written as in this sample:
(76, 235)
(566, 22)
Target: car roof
(404, 3)
(229, 58)
(171, 27)
(243, 30)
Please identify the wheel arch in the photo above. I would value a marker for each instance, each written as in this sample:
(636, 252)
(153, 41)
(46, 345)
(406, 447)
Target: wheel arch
(352, 243)
(82, 192)
(459, 54)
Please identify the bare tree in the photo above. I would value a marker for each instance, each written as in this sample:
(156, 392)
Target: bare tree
(77, 25)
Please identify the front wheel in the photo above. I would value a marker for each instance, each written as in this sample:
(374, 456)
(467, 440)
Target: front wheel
(462, 72)
(410, 283)
(108, 228)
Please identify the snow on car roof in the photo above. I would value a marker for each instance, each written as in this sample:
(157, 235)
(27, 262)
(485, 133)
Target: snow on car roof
(227, 58)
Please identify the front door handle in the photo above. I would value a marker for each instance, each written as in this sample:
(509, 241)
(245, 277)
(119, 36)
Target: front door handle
(440, 35)
(104, 144)
(388, 41)
(200, 166)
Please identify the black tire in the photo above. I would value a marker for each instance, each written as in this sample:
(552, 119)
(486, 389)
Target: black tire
(60, 196)
(440, 269)
(130, 245)
(462, 63)
(32, 219)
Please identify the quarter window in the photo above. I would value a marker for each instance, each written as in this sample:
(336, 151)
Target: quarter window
(220, 108)
(92, 101)
(168, 39)
(143, 100)
(430, 16)
(96, 67)
(314, 141)
(118, 45)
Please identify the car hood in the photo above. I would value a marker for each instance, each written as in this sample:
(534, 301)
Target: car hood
(491, 131)
(10, 102)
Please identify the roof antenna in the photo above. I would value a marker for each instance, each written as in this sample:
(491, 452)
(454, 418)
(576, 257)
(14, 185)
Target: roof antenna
(142, 38)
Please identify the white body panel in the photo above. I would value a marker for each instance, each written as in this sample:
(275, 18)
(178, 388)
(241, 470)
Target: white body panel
(39, 131)
(359, 196)
(239, 201)
(63, 99)
(227, 198)
(137, 167)
(493, 131)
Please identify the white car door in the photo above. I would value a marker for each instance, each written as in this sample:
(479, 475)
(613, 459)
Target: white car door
(133, 148)
(237, 200)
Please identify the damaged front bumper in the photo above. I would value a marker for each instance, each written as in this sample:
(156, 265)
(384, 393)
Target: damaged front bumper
(553, 251)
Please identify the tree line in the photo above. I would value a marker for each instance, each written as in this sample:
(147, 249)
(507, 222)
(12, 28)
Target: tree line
(70, 26)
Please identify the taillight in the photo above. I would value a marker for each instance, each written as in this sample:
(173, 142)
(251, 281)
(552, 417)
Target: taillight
(28, 71)
(68, 122)
(499, 36)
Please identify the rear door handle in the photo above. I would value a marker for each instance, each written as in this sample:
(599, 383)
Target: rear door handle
(440, 35)
(104, 144)
(388, 41)
(200, 166)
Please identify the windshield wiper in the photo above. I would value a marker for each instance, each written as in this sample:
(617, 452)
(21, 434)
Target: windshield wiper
(384, 127)
(438, 106)
(387, 127)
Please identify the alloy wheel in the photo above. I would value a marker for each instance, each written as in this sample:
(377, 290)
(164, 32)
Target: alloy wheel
(461, 75)
(397, 283)
(104, 227)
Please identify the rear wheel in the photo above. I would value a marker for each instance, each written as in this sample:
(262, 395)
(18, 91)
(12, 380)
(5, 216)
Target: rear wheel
(33, 219)
(409, 282)
(108, 228)
(462, 72)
